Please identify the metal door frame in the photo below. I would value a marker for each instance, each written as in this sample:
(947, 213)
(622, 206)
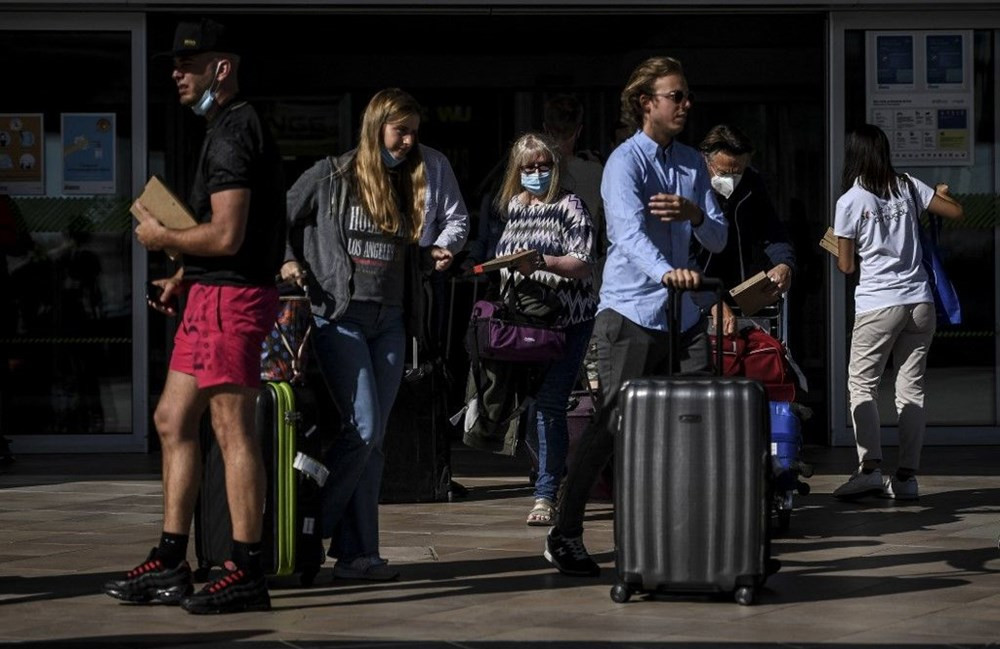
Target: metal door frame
(135, 24)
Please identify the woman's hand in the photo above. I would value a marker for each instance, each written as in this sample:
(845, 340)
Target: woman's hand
(442, 258)
(292, 271)
(530, 264)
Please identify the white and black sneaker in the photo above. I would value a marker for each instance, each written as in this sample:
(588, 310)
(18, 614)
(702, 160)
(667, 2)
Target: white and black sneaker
(569, 555)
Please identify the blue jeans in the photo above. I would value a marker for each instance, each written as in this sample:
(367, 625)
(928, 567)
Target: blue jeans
(550, 410)
(361, 356)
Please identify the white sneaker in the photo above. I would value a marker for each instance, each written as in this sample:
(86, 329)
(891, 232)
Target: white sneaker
(860, 484)
(902, 489)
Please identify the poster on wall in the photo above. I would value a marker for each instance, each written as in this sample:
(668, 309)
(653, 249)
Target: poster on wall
(88, 146)
(920, 92)
(22, 147)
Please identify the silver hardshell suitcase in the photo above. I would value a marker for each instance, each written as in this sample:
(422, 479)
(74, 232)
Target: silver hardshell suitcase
(692, 487)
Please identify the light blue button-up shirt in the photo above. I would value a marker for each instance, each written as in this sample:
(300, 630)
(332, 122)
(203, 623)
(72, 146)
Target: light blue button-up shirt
(642, 247)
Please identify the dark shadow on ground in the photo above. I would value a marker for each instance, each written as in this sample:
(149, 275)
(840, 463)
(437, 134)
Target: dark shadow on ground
(235, 640)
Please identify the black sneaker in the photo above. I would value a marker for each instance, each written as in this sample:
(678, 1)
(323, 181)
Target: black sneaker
(234, 592)
(569, 555)
(151, 581)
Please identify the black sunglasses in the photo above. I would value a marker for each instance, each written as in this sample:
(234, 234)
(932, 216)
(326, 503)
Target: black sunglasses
(677, 96)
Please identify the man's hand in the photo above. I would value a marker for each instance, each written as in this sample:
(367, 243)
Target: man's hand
(442, 257)
(292, 271)
(171, 289)
(781, 278)
(682, 278)
(149, 232)
(728, 319)
(671, 207)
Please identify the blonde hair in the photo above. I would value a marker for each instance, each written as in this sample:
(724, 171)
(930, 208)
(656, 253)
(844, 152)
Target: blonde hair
(641, 83)
(523, 150)
(375, 190)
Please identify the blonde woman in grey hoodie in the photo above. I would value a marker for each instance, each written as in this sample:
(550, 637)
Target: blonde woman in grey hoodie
(354, 226)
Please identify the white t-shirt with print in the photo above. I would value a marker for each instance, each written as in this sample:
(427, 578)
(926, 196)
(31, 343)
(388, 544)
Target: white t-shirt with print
(887, 239)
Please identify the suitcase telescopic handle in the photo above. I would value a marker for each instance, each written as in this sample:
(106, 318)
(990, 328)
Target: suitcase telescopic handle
(674, 321)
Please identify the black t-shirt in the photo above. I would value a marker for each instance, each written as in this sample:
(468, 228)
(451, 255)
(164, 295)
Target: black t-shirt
(239, 152)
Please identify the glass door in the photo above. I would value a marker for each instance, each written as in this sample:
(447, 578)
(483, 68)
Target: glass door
(939, 108)
(72, 152)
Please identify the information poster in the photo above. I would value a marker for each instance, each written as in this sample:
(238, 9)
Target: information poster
(88, 146)
(920, 92)
(22, 157)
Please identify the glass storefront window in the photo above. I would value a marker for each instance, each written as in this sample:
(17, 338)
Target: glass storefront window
(65, 280)
(961, 377)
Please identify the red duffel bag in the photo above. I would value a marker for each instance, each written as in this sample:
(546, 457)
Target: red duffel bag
(756, 354)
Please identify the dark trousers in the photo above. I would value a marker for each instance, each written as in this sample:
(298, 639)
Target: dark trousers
(624, 351)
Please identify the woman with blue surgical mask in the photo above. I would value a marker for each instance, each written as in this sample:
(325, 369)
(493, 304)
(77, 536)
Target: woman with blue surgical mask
(539, 215)
(354, 229)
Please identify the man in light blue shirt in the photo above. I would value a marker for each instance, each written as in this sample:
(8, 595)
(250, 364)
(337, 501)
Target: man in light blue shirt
(657, 194)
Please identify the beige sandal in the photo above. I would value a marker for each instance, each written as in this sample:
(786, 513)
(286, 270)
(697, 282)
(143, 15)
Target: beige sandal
(541, 514)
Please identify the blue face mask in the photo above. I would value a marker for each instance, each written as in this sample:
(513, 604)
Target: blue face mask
(208, 97)
(537, 183)
(390, 161)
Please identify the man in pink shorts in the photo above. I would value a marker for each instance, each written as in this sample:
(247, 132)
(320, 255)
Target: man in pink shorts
(230, 259)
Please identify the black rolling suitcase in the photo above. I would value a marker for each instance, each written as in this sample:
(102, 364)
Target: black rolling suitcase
(290, 445)
(692, 491)
(416, 445)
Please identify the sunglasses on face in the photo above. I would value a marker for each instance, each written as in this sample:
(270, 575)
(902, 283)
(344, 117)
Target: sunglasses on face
(537, 168)
(676, 96)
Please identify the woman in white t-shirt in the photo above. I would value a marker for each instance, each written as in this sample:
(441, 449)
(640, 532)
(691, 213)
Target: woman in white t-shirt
(877, 221)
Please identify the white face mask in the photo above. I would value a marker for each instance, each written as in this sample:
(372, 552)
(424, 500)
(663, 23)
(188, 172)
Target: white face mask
(208, 97)
(726, 184)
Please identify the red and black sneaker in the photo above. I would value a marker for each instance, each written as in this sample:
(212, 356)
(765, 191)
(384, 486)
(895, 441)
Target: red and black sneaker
(151, 581)
(234, 592)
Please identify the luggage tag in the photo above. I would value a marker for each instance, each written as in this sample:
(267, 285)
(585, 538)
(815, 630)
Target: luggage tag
(312, 468)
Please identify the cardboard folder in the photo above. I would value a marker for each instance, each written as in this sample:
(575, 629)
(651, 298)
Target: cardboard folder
(754, 294)
(829, 242)
(164, 206)
(503, 261)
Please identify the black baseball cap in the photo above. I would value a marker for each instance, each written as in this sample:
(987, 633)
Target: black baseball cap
(205, 35)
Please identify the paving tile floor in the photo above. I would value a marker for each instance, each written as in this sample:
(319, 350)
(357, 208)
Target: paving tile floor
(870, 574)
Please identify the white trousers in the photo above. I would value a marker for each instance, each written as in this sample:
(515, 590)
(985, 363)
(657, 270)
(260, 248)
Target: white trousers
(904, 332)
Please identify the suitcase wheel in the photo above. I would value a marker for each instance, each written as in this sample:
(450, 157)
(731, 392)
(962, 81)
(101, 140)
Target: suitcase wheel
(620, 593)
(746, 595)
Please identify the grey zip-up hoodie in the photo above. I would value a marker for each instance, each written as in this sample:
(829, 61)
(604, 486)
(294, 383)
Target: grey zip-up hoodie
(317, 208)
